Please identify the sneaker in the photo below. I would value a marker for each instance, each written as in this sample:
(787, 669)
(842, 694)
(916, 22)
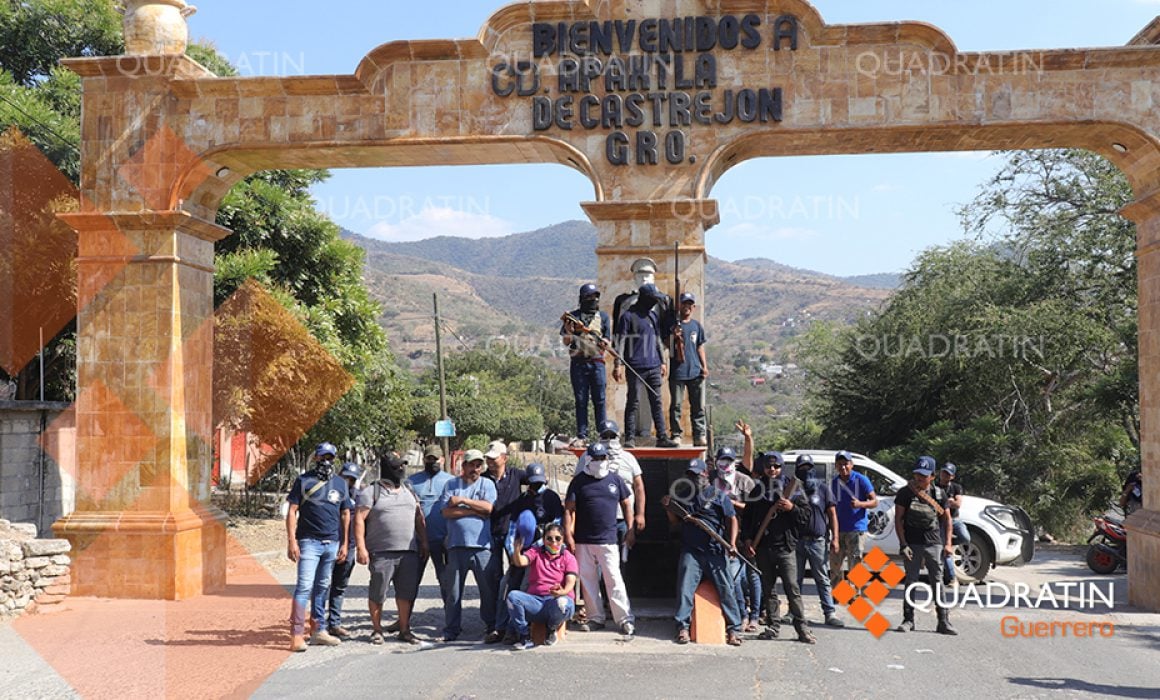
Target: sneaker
(833, 621)
(628, 444)
(510, 638)
(340, 632)
(667, 443)
(297, 643)
(589, 626)
(682, 636)
(550, 640)
(324, 639)
(579, 442)
(628, 629)
(700, 442)
(905, 626)
(493, 637)
(523, 644)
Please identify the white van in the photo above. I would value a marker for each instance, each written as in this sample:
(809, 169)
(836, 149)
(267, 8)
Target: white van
(1000, 534)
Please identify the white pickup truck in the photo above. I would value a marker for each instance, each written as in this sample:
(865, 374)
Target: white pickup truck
(1000, 534)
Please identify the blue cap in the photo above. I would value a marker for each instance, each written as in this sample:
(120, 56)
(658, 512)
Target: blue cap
(351, 470)
(589, 290)
(803, 459)
(950, 468)
(608, 428)
(697, 466)
(325, 448)
(726, 453)
(688, 296)
(598, 450)
(842, 454)
(537, 474)
(925, 465)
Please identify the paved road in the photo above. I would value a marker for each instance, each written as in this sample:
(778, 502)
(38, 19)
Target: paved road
(845, 663)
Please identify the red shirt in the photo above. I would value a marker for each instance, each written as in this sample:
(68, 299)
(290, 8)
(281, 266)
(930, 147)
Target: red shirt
(545, 572)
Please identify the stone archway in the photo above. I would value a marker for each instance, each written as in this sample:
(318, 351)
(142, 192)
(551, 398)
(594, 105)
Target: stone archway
(652, 100)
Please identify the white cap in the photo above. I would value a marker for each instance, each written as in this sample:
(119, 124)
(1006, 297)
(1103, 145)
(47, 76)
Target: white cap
(495, 448)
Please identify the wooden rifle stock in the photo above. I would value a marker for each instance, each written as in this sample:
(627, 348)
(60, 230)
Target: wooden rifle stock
(773, 513)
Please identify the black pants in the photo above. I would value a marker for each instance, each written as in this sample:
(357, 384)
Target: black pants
(632, 402)
(778, 562)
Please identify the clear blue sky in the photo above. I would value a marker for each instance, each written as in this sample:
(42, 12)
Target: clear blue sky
(838, 214)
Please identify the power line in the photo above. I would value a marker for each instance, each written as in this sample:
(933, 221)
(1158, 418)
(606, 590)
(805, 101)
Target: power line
(46, 127)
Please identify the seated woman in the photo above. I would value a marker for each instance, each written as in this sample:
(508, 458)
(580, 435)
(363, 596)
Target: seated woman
(552, 573)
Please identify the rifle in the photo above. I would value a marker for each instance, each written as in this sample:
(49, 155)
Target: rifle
(678, 510)
(773, 512)
(678, 332)
(578, 326)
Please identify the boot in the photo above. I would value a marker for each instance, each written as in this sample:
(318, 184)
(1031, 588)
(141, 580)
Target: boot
(297, 643)
(944, 622)
(907, 624)
(803, 633)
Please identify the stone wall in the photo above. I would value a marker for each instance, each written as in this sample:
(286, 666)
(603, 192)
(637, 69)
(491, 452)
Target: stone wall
(33, 573)
(36, 484)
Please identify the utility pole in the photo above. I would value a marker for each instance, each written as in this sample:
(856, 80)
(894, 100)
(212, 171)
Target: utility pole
(442, 381)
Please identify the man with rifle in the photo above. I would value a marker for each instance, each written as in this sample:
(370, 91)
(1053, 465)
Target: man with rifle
(689, 371)
(708, 537)
(587, 332)
(770, 528)
(923, 524)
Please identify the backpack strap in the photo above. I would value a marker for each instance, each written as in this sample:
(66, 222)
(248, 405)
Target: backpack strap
(313, 489)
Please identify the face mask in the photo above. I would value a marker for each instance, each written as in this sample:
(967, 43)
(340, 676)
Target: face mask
(597, 468)
(553, 548)
(806, 476)
(394, 474)
(725, 465)
(431, 467)
(534, 488)
(324, 468)
(589, 306)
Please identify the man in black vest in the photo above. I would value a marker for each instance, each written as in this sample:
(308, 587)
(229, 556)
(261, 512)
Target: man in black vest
(923, 524)
(586, 347)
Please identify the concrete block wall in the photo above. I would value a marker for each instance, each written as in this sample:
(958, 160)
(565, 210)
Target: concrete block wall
(28, 459)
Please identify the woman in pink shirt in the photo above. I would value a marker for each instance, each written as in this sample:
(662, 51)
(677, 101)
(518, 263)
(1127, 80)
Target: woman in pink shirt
(552, 575)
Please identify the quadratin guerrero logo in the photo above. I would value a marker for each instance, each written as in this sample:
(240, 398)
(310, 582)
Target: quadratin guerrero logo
(866, 586)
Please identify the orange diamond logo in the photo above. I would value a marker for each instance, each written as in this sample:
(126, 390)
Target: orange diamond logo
(867, 586)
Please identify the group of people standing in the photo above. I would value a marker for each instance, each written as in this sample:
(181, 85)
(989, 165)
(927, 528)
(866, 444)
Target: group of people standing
(650, 341)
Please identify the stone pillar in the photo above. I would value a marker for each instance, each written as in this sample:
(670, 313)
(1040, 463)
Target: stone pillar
(1144, 525)
(143, 527)
(626, 231)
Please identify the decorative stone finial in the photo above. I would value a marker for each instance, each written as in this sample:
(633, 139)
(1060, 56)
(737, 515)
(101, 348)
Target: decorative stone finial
(155, 27)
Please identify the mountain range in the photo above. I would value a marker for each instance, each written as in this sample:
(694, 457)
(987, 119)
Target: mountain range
(512, 290)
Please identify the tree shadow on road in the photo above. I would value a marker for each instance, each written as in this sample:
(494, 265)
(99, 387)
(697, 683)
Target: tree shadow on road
(1120, 691)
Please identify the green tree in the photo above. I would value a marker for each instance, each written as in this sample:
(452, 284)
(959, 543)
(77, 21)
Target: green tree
(1013, 354)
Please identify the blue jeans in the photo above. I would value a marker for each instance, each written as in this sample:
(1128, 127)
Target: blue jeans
(959, 535)
(513, 580)
(815, 551)
(747, 589)
(494, 573)
(588, 380)
(632, 402)
(690, 569)
(460, 560)
(338, 582)
(526, 608)
(315, 566)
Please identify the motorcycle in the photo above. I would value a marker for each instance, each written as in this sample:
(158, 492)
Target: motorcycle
(1107, 547)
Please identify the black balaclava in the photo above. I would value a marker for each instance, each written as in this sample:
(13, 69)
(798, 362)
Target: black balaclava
(806, 474)
(431, 466)
(324, 468)
(394, 470)
(590, 305)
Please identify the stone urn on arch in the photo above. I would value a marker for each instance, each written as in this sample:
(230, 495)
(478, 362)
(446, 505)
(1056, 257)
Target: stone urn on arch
(155, 27)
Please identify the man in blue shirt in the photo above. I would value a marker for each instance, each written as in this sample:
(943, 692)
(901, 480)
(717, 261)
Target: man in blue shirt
(590, 507)
(689, 375)
(343, 568)
(702, 556)
(428, 486)
(317, 526)
(853, 495)
(466, 506)
(815, 542)
(639, 334)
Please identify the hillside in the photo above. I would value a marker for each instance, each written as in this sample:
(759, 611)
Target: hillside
(511, 290)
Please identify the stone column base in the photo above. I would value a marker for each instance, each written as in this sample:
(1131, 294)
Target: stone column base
(146, 555)
(1143, 528)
